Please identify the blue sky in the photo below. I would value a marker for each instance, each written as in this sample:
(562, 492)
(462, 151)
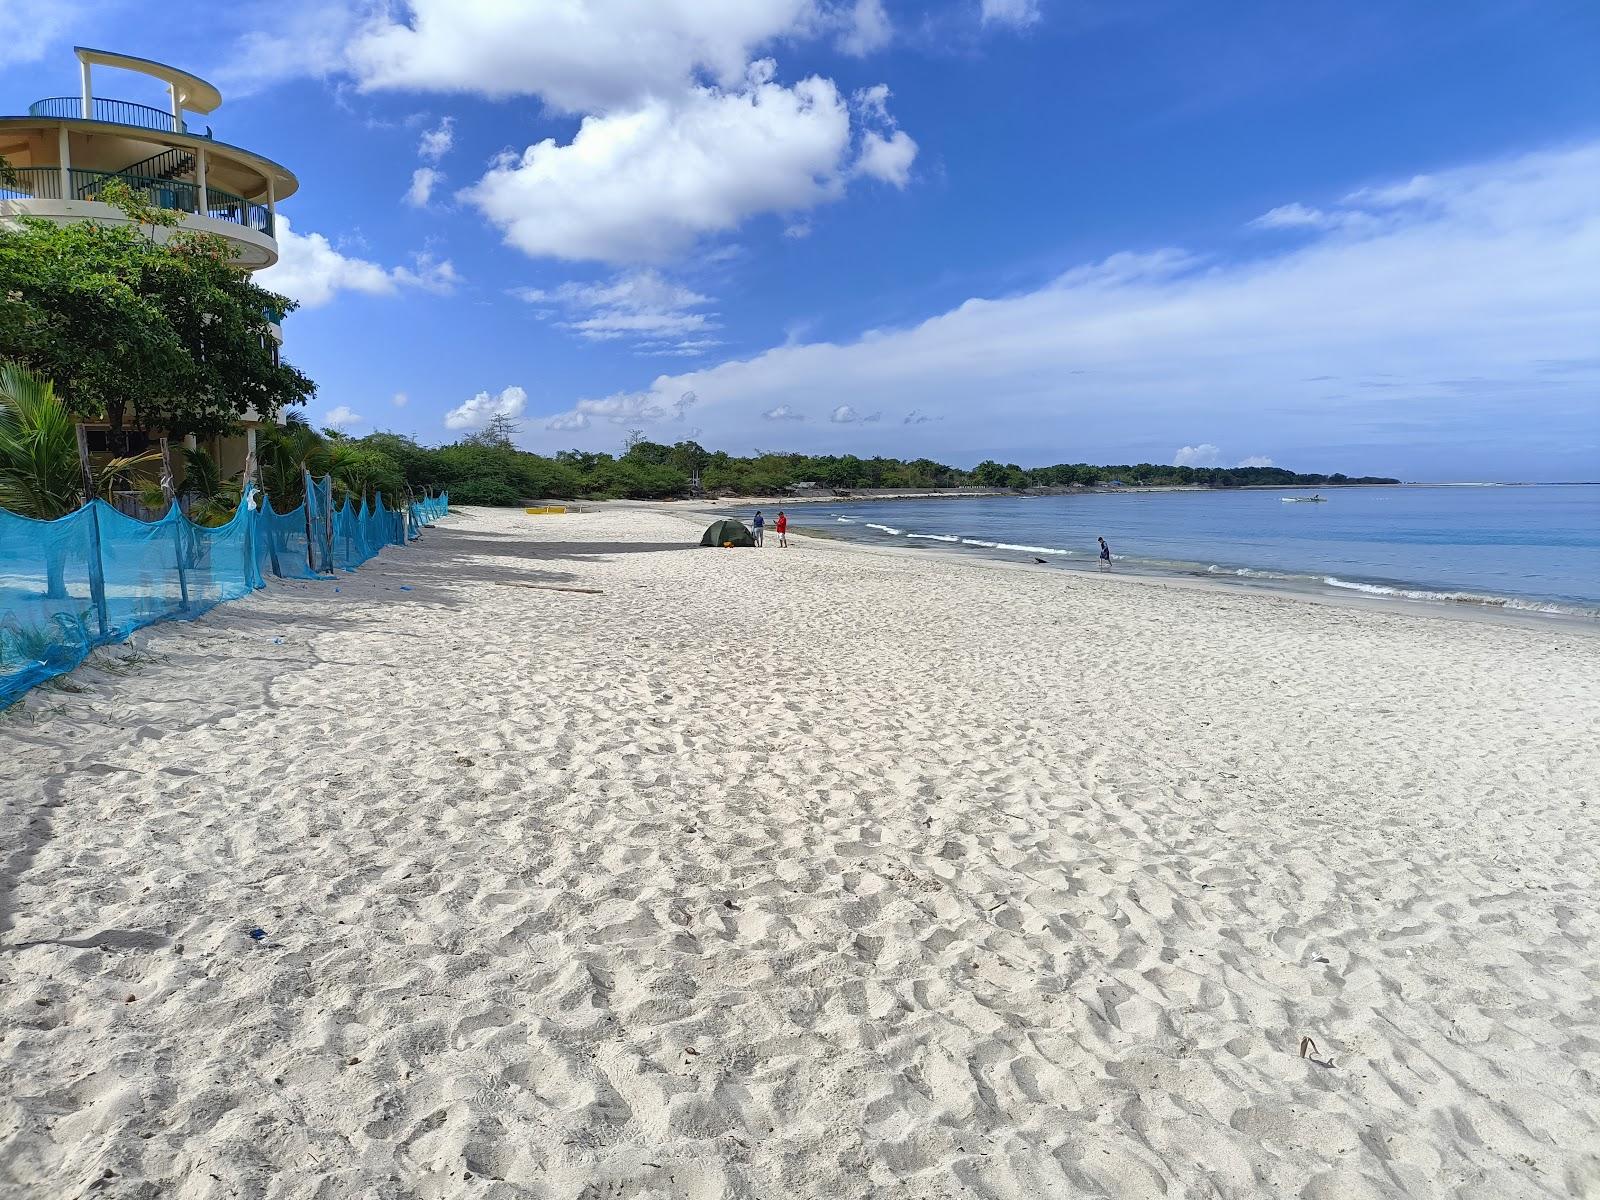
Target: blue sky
(1361, 236)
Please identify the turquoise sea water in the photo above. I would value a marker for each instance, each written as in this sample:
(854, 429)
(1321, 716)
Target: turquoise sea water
(1527, 547)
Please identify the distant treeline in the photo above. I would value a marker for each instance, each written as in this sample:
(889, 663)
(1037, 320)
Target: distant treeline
(487, 469)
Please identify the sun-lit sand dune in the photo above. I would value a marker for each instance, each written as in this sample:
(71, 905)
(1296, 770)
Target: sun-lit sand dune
(817, 873)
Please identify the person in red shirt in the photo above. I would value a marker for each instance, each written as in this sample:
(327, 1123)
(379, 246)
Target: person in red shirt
(782, 526)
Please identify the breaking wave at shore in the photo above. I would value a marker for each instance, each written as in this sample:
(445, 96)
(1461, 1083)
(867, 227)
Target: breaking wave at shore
(1287, 580)
(1517, 603)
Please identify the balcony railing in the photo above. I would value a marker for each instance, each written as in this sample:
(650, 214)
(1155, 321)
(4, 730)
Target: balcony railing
(44, 183)
(117, 112)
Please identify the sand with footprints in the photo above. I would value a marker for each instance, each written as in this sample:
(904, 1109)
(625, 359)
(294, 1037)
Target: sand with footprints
(820, 873)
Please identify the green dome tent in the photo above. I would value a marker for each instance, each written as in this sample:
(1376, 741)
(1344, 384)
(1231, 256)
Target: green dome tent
(722, 533)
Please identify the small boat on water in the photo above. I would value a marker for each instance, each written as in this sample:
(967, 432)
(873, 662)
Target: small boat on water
(1305, 499)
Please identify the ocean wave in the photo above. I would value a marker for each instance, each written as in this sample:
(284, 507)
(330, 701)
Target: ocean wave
(935, 537)
(1032, 549)
(1247, 572)
(847, 520)
(885, 528)
(1510, 602)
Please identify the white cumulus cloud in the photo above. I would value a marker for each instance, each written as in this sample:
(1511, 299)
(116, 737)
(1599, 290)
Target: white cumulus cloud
(423, 181)
(887, 158)
(1257, 460)
(644, 184)
(685, 132)
(1203, 455)
(484, 407)
(311, 270)
(342, 417)
(401, 400)
(783, 413)
(886, 151)
(588, 57)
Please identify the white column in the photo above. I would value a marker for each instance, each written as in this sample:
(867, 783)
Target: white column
(200, 181)
(88, 95)
(177, 109)
(188, 441)
(66, 164)
(272, 206)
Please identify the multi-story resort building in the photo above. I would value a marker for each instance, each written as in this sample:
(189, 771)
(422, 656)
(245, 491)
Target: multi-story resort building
(64, 150)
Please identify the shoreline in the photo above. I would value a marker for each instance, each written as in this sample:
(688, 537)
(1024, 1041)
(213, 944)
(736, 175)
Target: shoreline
(887, 495)
(1398, 596)
(1516, 611)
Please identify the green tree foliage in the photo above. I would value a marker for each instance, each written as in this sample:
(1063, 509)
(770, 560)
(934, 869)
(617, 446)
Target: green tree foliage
(143, 322)
(361, 468)
(40, 473)
(486, 468)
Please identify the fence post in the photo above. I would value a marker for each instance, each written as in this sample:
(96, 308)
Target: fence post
(327, 522)
(97, 578)
(305, 483)
(169, 492)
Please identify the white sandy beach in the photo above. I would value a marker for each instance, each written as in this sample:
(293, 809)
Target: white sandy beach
(815, 873)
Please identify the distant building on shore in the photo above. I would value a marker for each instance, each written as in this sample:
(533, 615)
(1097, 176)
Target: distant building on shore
(66, 148)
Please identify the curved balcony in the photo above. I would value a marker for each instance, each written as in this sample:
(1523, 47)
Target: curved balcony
(45, 183)
(115, 112)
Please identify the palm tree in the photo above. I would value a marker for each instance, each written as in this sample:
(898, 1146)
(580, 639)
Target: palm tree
(212, 499)
(40, 475)
(283, 453)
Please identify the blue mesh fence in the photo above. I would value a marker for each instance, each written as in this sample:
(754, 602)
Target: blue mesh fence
(286, 540)
(319, 522)
(94, 576)
(426, 512)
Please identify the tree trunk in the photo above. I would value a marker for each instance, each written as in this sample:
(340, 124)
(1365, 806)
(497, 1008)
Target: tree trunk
(56, 574)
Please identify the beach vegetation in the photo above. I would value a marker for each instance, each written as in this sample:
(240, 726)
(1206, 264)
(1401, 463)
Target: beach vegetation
(488, 468)
(141, 324)
(40, 472)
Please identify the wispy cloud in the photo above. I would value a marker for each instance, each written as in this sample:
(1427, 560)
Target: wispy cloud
(624, 409)
(1017, 13)
(657, 315)
(866, 28)
(1489, 270)
(846, 415)
(436, 142)
(29, 27)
